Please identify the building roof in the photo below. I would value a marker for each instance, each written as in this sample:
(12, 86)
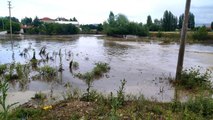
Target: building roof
(46, 19)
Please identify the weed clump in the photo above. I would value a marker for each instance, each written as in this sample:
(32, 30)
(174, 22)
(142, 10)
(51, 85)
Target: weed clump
(202, 106)
(48, 71)
(193, 79)
(3, 68)
(200, 34)
(75, 65)
(39, 96)
(4, 87)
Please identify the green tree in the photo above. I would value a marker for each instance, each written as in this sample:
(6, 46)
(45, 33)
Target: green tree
(100, 27)
(36, 22)
(15, 27)
(149, 21)
(26, 21)
(119, 25)
(191, 21)
(169, 22)
(212, 25)
(74, 19)
(14, 19)
(200, 34)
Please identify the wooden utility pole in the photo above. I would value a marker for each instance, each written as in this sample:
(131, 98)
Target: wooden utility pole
(9, 4)
(182, 41)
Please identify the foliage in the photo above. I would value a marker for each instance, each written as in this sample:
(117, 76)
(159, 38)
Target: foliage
(4, 89)
(91, 28)
(100, 68)
(149, 21)
(40, 96)
(89, 77)
(36, 22)
(75, 65)
(200, 34)
(192, 78)
(159, 34)
(53, 29)
(202, 106)
(26, 21)
(26, 113)
(47, 71)
(5, 24)
(191, 21)
(119, 25)
(3, 68)
(169, 22)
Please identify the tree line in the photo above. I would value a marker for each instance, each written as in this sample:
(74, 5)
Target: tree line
(35, 26)
(5, 24)
(114, 25)
(120, 25)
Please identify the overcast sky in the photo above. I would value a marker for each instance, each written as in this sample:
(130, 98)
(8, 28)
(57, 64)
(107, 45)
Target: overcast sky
(97, 11)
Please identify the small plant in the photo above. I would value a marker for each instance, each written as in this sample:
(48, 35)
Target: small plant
(40, 96)
(75, 65)
(34, 63)
(100, 68)
(200, 34)
(3, 89)
(159, 34)
(26, 113)
(88, 79)
(193, 78)
(48, 71)
(120, 92)
(201, 105)
(118, 101)
(3, 68)
(19, 70)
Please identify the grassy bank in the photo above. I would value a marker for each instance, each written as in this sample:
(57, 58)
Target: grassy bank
(176, 36)
(112, 108)
(120, 106)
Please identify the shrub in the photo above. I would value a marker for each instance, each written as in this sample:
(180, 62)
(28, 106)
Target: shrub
(200, 34)
(201, 105)
(4, 87)
(48, 71)
(193, 78)
(3, 68)
(100, 68)
(40, 96)
(159, 34)
(75, 65)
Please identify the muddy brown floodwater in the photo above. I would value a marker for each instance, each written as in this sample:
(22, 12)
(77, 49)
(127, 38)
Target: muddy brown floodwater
(144, 65)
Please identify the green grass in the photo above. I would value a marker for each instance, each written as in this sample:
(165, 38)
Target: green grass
(3, 68)
(193, 79)
(48, 71)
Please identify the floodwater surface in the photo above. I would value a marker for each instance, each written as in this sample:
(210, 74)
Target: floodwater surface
(144, 65)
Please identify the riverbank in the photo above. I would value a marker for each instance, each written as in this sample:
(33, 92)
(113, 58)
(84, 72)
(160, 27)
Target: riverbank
(114, 108)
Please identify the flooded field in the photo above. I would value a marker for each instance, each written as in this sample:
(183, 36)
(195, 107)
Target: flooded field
(145, 65)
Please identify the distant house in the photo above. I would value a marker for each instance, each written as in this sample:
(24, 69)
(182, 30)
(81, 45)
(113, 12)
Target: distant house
(47, 20)
(59, 21)
(68, 22)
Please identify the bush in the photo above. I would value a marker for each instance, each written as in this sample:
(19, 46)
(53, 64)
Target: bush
(200, 34)
(201, 105)
(48, 71)
(3, 68)
(193, 78)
